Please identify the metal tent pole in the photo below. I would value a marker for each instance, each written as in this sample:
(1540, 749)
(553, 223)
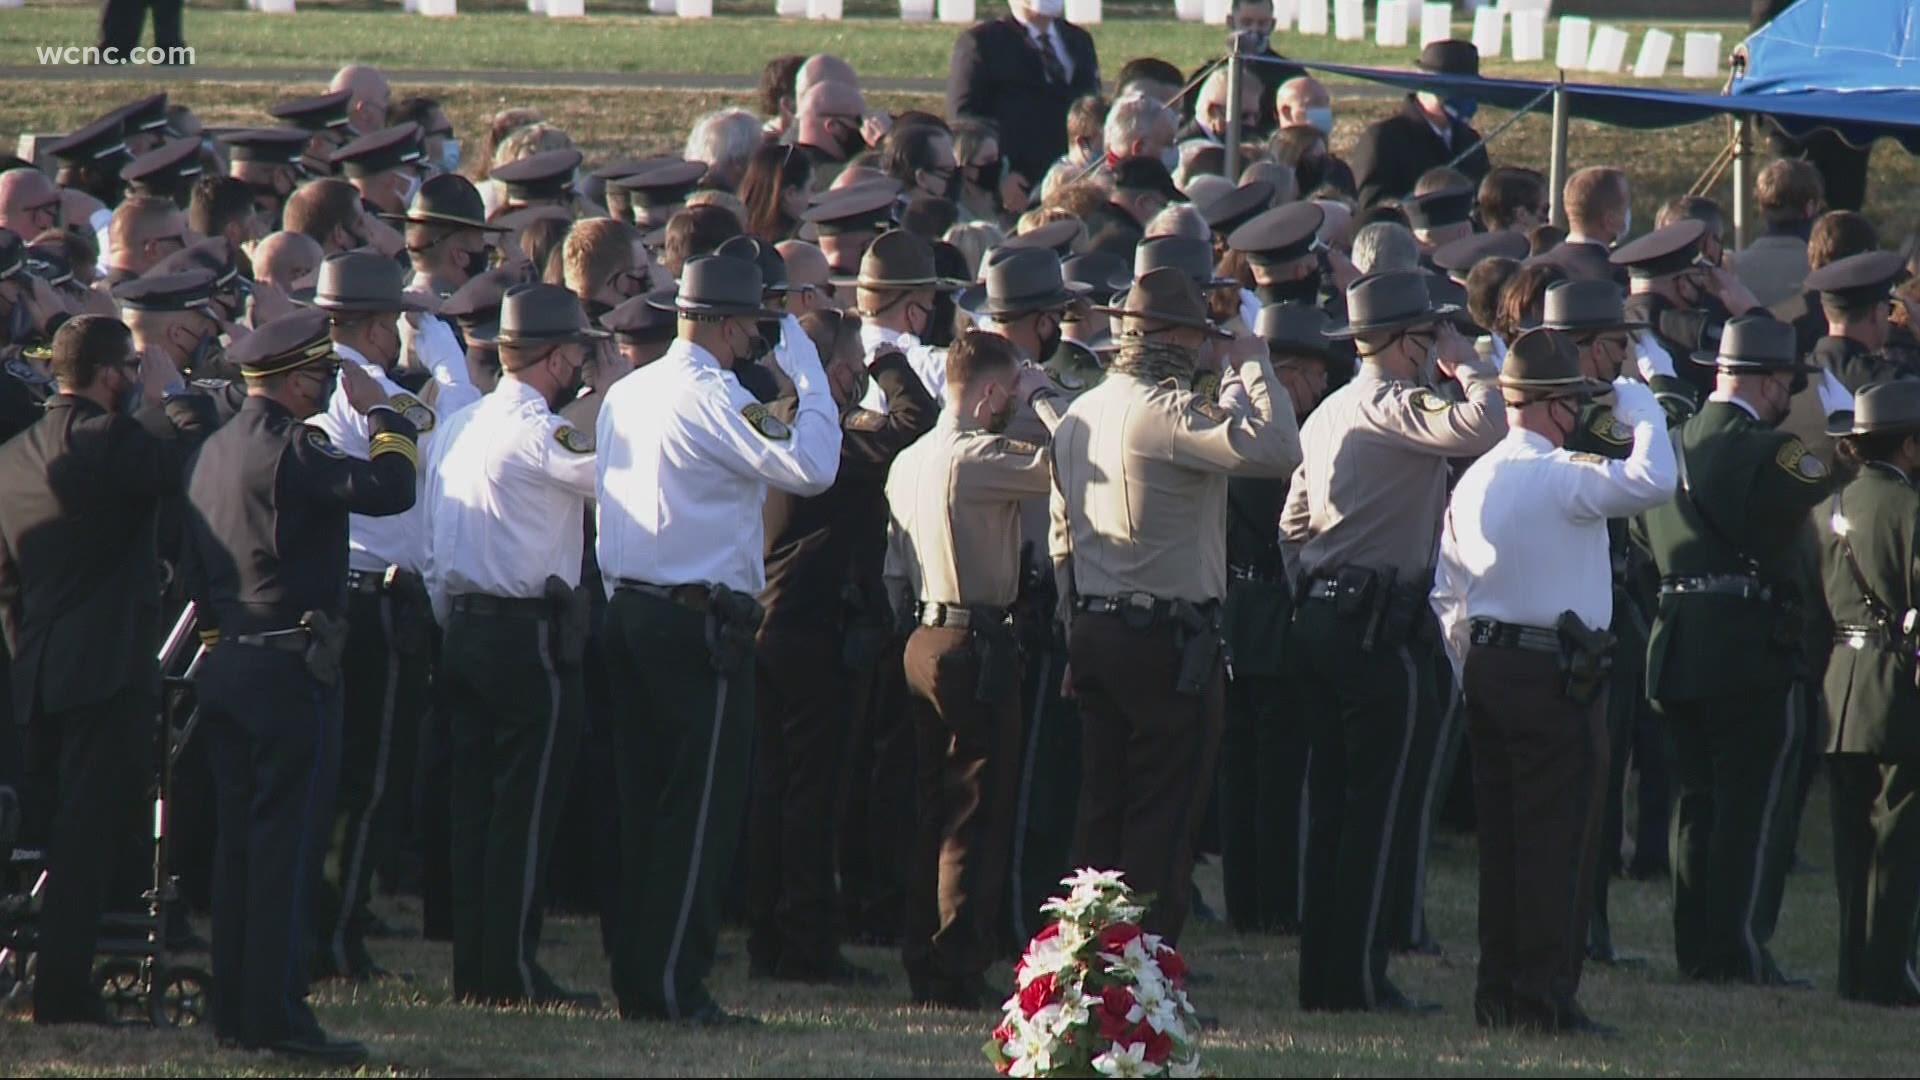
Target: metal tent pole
(1236, 74)
(1742, 186)
(1557, 181)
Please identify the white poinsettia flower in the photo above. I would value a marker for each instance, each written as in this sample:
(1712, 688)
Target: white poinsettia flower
(1035, 1050)
(1071, 1011)
(1129, 1060)
(1088, 878)
(1072, 908)
(1045, 958)
(1188, 1067)
(1135, 963)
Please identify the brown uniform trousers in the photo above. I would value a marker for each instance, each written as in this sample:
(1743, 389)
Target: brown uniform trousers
(1147, 754)
(966, 753)
(1539, 785)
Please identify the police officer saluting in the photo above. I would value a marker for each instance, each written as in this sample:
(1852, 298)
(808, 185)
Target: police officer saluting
(686, 455)
(1873, 691)
(1856, 295)
(1727, 645)
(506, 498)
(1685, 303)
(265, 556)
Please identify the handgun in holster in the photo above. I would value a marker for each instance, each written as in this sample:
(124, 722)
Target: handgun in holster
(998, 653)
(1586, 659)
(1197, 636)
(412, 611)
(1377, 601)
(572, 619)
(326, 642)
(733, 623)
(1407, 618)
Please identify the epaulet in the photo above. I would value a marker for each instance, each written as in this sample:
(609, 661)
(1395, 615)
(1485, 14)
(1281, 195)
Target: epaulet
(1016, 446)
(1206, 408)
(1587, 459)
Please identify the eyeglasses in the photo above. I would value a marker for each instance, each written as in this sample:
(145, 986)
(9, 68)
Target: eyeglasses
(50, 210)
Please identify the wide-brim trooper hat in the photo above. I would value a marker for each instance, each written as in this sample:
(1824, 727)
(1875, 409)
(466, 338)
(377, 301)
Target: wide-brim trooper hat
(1756, 344)
(1391, 300)
(717, 286)
(1543, 365)
(1887, 406)
(1167, 295)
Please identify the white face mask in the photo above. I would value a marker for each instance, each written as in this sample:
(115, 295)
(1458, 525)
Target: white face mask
(413, 185)
(1170, 157)
(1321, 116)
(1052, 9)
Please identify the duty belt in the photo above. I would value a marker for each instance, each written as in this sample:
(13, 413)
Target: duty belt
(1500, 635)
(293, 639)
(1325, 588)
(1743, 586)
(1859, 636)
(521, 607)
(692, 597)
(956, 617)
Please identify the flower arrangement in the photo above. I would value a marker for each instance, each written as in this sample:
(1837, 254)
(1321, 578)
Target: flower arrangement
(1096, 995)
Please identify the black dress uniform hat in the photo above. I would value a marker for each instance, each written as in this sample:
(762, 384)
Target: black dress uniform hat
(664, 183)
(1097, 273)
(1058, 237)
(363, 281)
(447, 199)
(273, 146)
(540, 314)
(1237, 207)
(546, 175)
(1017, 281)
(101, 142)
(147, 114)
(1295, 328)
(901, 260)
(167, 171)
(1191, 257)
(855, 208)
(1459, 257)
(1543, 365)
(1168, 296)
(1663, 251)
(1587, 306)
(634, 321)
(476, 305)
(388, 148)
(1450, 57)
(625, 167)
(1142, 173)
(1281, 234)
(522, 216)
(213, 254)
(1860, 279)
(1450, 206)
(288, 342)
(773, 266)
(1390, 300)
(182, 291)
(46, 264)
(317, 113)
(1756, 344)
(1887, 406)
(719, 286)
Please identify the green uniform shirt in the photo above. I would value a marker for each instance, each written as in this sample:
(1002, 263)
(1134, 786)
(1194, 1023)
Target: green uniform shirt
(1870, 691)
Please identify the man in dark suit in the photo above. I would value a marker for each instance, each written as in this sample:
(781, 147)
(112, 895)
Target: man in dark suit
(1022, 72)
(1430, 129)
(80, 602)
(1268, 69)
(1599, 215)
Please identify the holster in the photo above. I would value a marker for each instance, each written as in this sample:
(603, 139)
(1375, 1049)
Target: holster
(733, 624)
(1586, 659)
(1405, 618)
(412, 612)
(326, 641)
(998, 653)
(572, 619)
(1036, 609)
(1787, 631)
(1197, 635)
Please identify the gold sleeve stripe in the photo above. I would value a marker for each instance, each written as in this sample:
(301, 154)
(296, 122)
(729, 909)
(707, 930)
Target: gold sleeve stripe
(389, 443)
(210, 637)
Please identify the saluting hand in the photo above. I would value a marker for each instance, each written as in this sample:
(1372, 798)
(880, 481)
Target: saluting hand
(1633, 402)
(362, 390)
(1031, 380)
(1455, 350)
(1246, 346)
(158, 374)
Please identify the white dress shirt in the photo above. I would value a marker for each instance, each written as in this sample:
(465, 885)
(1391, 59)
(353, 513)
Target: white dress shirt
(686, 455)
(507, 485)
(1048, 39)
(1526, 536)
(926, 361)
(375, 543)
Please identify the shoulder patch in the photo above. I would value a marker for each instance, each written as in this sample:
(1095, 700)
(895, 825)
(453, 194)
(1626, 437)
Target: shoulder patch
(415, 410)
(1066, 380)
(1799, 462)
(1205, 407)
(1018, 446)
(1587, 459)
(572, 438)
(766, 423)
(1207, 385)
(23, 371)
(864, 420)
(1609, 428)
(1428, 401)
(319, 441)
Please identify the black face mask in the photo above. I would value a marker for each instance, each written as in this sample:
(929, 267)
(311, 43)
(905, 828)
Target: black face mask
(1051, 343)
(939, 329)
(206, 358)
(1305, 290)
(597, 308)
(474, 263)
(769, 332)
(847, 137)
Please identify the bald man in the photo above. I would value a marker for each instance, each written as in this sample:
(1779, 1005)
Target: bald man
(823, 68)
(1210, 117)
(807, 272)
(29, 203)
(828, 126)
(1304, 100)
(144, 230)
(283, 258)
(367, 110)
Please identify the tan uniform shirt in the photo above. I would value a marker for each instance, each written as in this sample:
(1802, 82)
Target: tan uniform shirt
(1140, 481)
(1373, 484)
(954, 498)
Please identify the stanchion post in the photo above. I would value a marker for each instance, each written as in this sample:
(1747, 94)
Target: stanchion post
(1557, 179)
(1742, 187)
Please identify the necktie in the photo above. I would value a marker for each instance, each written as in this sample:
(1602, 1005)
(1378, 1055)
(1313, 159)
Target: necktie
(1049, 60)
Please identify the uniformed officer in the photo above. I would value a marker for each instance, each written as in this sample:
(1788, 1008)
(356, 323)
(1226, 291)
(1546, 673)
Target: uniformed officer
(543, 179)
(619, 206)
(385, 166)
(267, 160)
(384, 671)
(1684, 302)
(1727, 645)
(1263, 763)
(265, 556)
(1856, 295)
(475, 311)
(324, 118)
(173, 315)
(1524, 591)
(90, 159)
(33, 313)
(847, 222)
(1139, 546)
(168, 172)
(1874, 695)
(895, 293)
(659, 191)
(448, 238)
(683, 444)
(507, 484)
(1362, 519)
(955, 499)
(641, 332)
(1234, 209)
(145, 123)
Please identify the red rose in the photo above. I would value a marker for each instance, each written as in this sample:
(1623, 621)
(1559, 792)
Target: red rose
(1172, 965)
(1051, 930)
(1159, 1047)
(1115, 1003)
(1038, 994)
(1114, 938)
(1002, 1033)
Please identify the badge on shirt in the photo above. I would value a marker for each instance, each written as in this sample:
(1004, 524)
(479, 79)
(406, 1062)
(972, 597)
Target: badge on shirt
(573, 439)
(766, 423)
(319, 441)
(864, 420)
(415, 410)
(1207, 384)
(1019, 446)
(1609, 428)
(1800, 463)
(1587, 459)
(1066, 380)
(1204, 407)
(1428, 401)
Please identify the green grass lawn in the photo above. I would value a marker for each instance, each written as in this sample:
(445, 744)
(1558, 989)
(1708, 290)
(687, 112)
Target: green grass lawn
(1669, 1028)
(620, 36)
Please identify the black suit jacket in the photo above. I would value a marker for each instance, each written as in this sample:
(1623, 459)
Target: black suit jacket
(1391, 154)
(996, 75)
(1583, 262)
(79, 574)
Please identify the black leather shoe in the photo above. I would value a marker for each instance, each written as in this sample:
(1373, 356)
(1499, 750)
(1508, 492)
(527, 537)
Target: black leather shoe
(321, 1047)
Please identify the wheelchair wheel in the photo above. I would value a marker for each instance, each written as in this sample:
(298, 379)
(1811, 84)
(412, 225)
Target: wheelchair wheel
(122, 989)
(180, 998)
